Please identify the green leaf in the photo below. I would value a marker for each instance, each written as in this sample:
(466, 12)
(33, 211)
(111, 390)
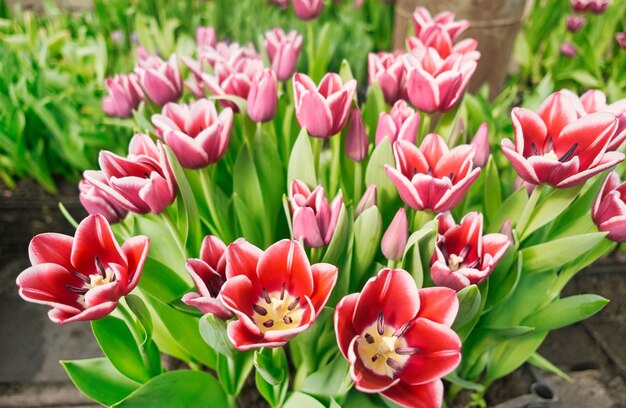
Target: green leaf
(454, 378)
(178, 389)
(233, 372)
(248, 189)
(161, 281)
(99, 380)
(492, 196)
(510, 209)
(272, 374)
(142, 313)
(368, 229)
(331, 380)
(419, 251)
(246, 222)
(550, 208)
(540, 361)
(376, 174)
(213, 331)
(469, 306)
(301, 400)
(336, 251)
(553, 254)
(119, 346)
(374, 105)
(566, 311)
(509, 355)
(301, 162)
(506, 332)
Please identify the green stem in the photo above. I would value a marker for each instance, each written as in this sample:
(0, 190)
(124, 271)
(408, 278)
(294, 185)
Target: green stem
(317, 144)
(335, 164)
(528, 210)
(358, 182)
(424, 127)
(173, 229)
(316, 255)
(310, 47)
(128, 317)
(207, 190)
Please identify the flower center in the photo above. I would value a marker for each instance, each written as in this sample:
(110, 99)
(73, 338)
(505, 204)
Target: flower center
(101, 277)
(454, 262)
(277, 311)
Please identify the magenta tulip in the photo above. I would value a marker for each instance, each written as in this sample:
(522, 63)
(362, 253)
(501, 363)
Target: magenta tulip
(620, 37)
(308, 9)
(283, 51)
(387, 69)
(480, 144)
(161, 81)
(398, 339)
(568, 50)
(402, 123)
(323, 110)
(594, 6)
(609, 208)
(124, 96)
(97, 201)
(82, 277)
(197, 135)
(575, 22)
(263, 97)
(357, 141)
(395, 238)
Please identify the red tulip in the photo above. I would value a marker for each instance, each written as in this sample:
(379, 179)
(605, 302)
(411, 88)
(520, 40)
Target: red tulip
(209, 274)
(308, 9)
(463, 255)
(402, 123)
(162, 81)
(388, 70)
(195, 133)
(609, 208)
(395, 238)
(323, 110)
(275, 294)
(575, 22)
(594, 6)
(314, 220)
(283, 51)
(124, 96)
(398, 339)
(143, 182)
(432, 177)
(357, 141)
(558, 147)
(82, 277)
(98, 201)
(263, 97)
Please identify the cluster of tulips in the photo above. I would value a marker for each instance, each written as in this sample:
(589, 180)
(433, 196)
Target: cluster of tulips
(272, 209)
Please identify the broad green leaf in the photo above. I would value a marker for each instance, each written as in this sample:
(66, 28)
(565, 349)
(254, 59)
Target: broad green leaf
(566, 311)
(503, 282)
(554, 254)
(506, 332)
(550, 208)
(492, 196)
(213, 331)
(246, 222)
(540, 361)
(510, 209)
(368, 229)
(142, 314)
(249, 191)
(454, 378)
(301, 400)
(336, 250)
(376, 174)
(331, 380)
(374, 105)
(301, 162)
(469, 306)
(419, 251)
(272, 375)
(161, 281)
(509, 355)
(233, 372)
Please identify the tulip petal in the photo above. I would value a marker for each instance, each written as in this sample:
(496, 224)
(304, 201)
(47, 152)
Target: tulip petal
(439, 305)
(93, 313)
(243, 340)
(46, 283)
(343, 322)
(324, 280)
(429, 395)
(51, 248)
(406, 190)
(94, 239)
(136, 251)
(364, 379)
(315, 115)
(285, 263)
(241, 259)
(207, 305)
(305, 227)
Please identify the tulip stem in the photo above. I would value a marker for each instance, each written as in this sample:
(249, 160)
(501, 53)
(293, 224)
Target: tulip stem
(522, 223)
(358, 181)
(173, 229)
(208, 197)
(317, 145)
(335, 163)
(310, 49)
(424, 126)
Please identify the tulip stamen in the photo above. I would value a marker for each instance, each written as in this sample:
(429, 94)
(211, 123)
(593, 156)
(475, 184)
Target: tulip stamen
(393, 364)
(375, 357)
(380, 323)
(535, 150)
(407, 351)
(260, 310)
(80, 291)
(369, 338)
(81, 276)
(266, 295)
(383, 352)
(294, 304)
(568, 154)
(282, 292)
(277, 310)
(268, 323)
(100, 267)
(403, 329)
(287, 319)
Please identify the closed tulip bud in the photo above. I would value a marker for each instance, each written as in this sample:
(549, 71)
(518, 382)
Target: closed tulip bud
(161, 81)
(396, 236)
(387, 70)
(609, 208)
(568, 50)
(308, 9)
(357, 141)
(263, 97)
(368, 200)
(621, 39)
(401, 123)
(314, 219)
(594, 6)
(575, 22)
(480, 144)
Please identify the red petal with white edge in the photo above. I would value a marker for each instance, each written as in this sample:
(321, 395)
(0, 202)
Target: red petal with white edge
(324, 280)
(93, 313)
(343, 322)
(609, 160)
(241, 259)
(188, 152)
(394, 293)
(441, 275)
(452, 197)
(207, 305)
(467, 233)
(51, 247)
(439, 352)
(330, 84)
(243, 340)
(449, 88)
(439, 305)
(616, 227)
(364, 379)
(529, 129)
(46, 284)
(434, 148)
(157, 194)
(611, 182)
(94, 238)
(109, 292)
(286, 263)
(429, 395)
(211, 250)
(136, 251)
(519, 163)
(406, 190)
(315, 115)
(239, 295)
(557, 111)
(410, 159)
(445, 221)
(590, 134)
(495, 245)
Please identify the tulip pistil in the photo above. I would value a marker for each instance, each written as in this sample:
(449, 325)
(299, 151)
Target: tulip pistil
(382, 348)
(277, 311)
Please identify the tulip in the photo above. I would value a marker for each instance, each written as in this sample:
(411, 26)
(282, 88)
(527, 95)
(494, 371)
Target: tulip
(432, 177)
(620, 37)
(558, 147)
(263, 97)
(233, 79)
(82, 277)
(124, 96)
(609, 209)
(357, 141)
(98, 201)
(368, 200)
(324, 110)
(480, 144)
(314, 220)
(575, 22)
(283, 51)
(195, 133)
(398, 339)
(274, 294)
(401, 123)
(387, 70)
(463, 256)
(435, 84)
(282, 4)
(308, 9)
(162, 81)
(143, 182)
(594, 6)
(422, 21)
(208, 274)
(206, 36)
(396, 236)
(568, 49)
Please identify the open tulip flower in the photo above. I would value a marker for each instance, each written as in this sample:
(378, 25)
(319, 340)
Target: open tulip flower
(323, 110)
(387, 69)
(209, 274)
(556, 146)
(197, 135)
(398, 339)
(275, 294)
(233, 79)
(82, 277)
(97, 201)
(463, 255)
(432, 177)
(401, 123)
(308, 9)
(609, 208)
(161, 81)
(125, 94)
(283, 51)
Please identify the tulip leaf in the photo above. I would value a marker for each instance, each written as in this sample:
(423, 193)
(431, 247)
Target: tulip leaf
(331, 380)
(98, 379)
(419, 251)
(272, 374)
(540, 361)
(510, 209)
(504, 281)
(178, 389)
(550, 208)
(246, 223)
(492, 195)
(553, 254)
(376, 174)
(300, 400)
(119, 346)
(469, 306)
(233, 372)
(509, 355)
(336, 251)
(301, 162)
(213, 331)
(287, 210)
(566, 311)
(368, 229)
(141, 312)
(374, 105)
(161, 281)
(506, 332)
(454, 378)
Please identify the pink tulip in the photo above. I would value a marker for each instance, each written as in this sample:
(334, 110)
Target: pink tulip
(263, 97)
(575, 22)
(557, 146)
(620, 37)
(124, 96)
(357, 141)
(402, 123)
(274, 294)
(141, 183)
(398, 339)
(283, 51)
(323, 110)
(432, 177)
(208, 274)
(395, 238)
(368, 200)
(314, 220)
(282, 4)
(387, 70)
(82, 277)
(609, 208)
(195, 133)
(161, 81)
(480, 144)
(568, 49)
(233, 79)
(308, 9)
(206, 36)
(98, 201)
(594, 6)
(436, 84)
(463, 255)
